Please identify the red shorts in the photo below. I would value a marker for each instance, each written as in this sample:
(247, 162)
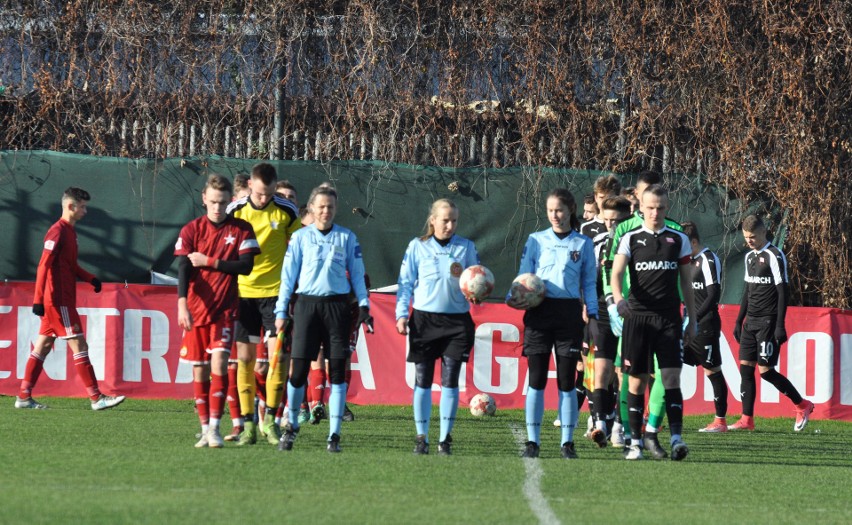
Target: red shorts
(203, 340)
(60, 321)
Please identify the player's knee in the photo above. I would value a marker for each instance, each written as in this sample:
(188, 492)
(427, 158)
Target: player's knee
(450, 371)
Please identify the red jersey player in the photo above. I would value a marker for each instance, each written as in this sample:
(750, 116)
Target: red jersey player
(212, 250)
(55, 302)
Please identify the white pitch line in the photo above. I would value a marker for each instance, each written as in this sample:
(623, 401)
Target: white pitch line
(532, 483)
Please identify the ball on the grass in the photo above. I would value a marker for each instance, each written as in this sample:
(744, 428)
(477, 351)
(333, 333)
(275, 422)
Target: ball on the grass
(483, 405)
(529, 287)
(476, 283)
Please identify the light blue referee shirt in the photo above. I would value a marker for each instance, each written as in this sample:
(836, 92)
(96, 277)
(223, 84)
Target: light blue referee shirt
(430, 272)
(318, 263)
(567, 266)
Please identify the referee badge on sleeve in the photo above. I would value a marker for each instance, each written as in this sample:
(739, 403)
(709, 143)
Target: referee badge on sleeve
(456, 269)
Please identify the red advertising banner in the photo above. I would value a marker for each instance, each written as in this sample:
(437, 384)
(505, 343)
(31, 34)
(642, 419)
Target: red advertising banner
(134, 342)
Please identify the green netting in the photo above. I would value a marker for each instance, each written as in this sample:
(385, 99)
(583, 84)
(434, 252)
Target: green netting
(138, 207)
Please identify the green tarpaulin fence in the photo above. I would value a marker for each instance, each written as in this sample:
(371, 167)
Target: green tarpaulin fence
(139, 205)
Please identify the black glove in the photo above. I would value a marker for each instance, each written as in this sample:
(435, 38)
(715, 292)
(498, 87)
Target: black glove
(623, 308)
(780, 334)
(593, 330)
(738, 330)
(365, 318)
(38, 309)
(97, 284)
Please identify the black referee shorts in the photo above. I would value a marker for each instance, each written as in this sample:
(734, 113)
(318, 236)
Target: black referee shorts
(555, 323)
(322, 321)
(432, 335)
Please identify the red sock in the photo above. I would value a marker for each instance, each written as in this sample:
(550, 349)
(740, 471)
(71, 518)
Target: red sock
(280, 412)
(316, 386)
(35, 364)
(233, 393)
(202, 392)
(218, 387)
(87, 374)
(261, 385)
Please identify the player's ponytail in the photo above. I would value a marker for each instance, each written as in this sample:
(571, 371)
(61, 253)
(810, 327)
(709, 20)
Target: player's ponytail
(433, 211)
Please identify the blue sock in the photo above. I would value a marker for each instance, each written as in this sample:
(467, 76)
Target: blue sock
(449, 407)
(295, 396)
(422, 410)
(534, 414)
(568, 413)
(336, 405)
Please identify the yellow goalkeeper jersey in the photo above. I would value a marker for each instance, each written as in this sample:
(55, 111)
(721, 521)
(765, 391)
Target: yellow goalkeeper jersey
(273, 225)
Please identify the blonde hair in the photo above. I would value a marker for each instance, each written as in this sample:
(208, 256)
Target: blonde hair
(433, 211)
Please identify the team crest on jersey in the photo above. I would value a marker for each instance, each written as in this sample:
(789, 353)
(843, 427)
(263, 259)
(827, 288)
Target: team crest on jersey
(48, 245)
(761, 260)
(183, 351)
(669, 240)
(575, 256)
(456, 269)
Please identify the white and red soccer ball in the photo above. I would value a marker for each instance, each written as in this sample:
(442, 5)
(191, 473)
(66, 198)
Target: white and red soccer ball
(476, 283)
(528, 287)
(483, 405)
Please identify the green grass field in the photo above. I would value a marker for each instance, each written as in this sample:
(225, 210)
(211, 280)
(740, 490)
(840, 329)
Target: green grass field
(137, 464)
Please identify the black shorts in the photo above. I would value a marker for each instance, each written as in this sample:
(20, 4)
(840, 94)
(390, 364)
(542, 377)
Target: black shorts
(647, 335)
(758, 343)
(321, 321)
(606, 346)
(704, 349)
(432, 335)
(555, 323)
(257, 316)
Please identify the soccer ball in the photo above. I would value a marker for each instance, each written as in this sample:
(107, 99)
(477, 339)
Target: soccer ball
(476, 283)
(483, 405)
(530, 287)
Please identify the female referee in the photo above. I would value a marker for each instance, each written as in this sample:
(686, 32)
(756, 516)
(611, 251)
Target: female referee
(565, 261)
(318, 259)
(440, 325)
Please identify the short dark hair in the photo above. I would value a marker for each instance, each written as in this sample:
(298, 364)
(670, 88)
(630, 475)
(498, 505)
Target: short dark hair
(264, 172)
(690, 229)
(284, 184)
(752, 223)
(76, 195)
(650, 178)
(589, 199)
(658, 190)
(618, 203)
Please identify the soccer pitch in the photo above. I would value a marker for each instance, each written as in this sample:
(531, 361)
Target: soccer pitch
(137, 464)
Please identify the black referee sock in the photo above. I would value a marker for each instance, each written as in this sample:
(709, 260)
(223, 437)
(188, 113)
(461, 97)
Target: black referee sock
(748, 389)
(580, 387)
(782, 384)
(720, 393)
